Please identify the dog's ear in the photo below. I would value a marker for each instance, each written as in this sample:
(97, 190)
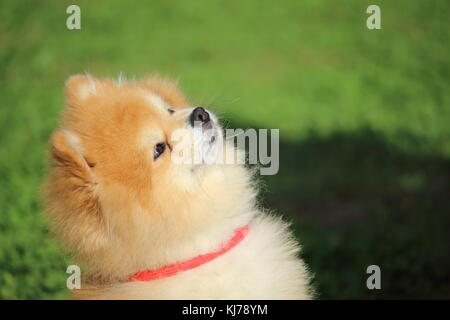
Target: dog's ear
(79, 88)
(69, 164)
(167, 89)
(70, 195)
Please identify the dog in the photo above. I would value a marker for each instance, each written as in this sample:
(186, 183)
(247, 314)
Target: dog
(144, 226)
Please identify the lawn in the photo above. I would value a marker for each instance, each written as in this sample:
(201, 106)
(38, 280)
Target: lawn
(364, 119)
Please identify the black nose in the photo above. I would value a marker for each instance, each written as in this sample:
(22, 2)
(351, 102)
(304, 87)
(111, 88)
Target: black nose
(199, 114)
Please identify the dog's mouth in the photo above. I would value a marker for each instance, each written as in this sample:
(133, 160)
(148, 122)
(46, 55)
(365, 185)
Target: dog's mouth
(209, 134)
(200, 142)
(205, 123)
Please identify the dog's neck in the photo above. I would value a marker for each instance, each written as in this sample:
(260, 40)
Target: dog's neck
(157, 246)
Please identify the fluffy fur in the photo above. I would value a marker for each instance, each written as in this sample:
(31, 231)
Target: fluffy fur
(120, 211)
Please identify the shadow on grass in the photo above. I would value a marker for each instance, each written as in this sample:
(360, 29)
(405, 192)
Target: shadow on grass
(356, 200)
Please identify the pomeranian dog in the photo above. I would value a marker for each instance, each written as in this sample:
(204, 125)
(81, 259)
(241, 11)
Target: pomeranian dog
(144, 225)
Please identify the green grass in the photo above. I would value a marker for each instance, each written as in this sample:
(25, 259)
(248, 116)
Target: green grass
(364, 119)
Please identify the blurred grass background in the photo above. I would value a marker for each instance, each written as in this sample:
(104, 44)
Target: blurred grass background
(364, 119)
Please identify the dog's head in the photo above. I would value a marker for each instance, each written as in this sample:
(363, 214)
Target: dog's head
(135, 166)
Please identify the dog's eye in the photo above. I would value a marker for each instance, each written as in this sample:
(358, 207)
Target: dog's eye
(159, 150)
(171, 110)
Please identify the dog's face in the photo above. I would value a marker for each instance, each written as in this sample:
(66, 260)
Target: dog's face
(133, 161)
(134, 136)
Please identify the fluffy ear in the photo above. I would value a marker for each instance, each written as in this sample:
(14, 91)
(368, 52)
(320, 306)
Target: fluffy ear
(167, 89)
(79, 88)
(68, 159)
(70, 195)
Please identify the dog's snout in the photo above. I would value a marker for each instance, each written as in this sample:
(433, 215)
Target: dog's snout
(199, 115)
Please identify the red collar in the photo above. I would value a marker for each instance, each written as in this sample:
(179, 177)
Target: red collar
(172, 269)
